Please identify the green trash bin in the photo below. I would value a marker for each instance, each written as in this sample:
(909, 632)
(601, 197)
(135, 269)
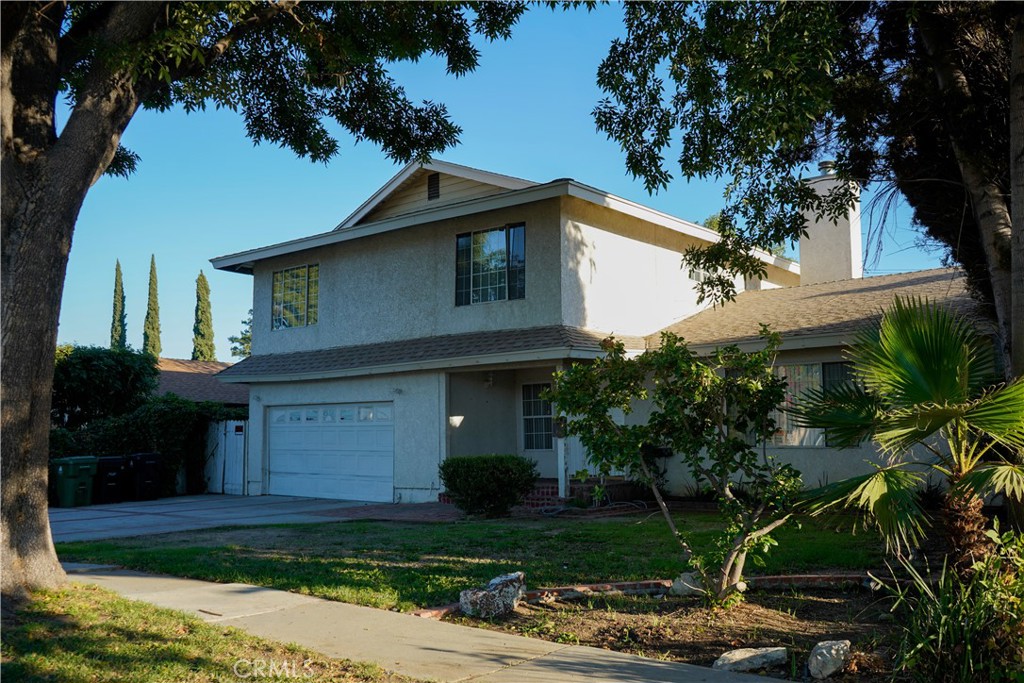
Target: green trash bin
(73, 478)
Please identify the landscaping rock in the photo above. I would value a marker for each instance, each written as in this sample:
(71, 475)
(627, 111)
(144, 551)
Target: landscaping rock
(828, 657)
(687, 584)
(501, 596)
(751, 659)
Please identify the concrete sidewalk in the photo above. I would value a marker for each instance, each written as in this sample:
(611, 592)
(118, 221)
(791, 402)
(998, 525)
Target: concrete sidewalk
(417, 647)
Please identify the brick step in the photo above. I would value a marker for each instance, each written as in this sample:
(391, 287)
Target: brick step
(545, 493)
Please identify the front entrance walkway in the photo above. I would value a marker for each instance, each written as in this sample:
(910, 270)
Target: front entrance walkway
(417, 647)
(184, 513)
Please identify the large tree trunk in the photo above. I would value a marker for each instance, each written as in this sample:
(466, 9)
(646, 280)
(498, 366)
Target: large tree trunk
(37, 227)
(989, 204)
(43, 182)
(1017, 192)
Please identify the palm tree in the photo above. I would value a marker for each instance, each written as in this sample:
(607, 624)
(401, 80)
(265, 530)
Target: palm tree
(924, 377)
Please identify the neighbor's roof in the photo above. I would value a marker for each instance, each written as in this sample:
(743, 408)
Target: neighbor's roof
(197, 380)
(444, 351)
(819, 315)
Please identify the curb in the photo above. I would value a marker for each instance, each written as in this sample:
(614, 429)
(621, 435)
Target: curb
(661, 587)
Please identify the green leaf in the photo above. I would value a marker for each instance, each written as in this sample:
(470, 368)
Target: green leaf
(1001, 478)
(886, 498)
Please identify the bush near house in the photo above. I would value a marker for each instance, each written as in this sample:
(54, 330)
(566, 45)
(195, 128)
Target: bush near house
(488, 485)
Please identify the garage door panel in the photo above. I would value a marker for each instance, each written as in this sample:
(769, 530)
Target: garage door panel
(337, 451)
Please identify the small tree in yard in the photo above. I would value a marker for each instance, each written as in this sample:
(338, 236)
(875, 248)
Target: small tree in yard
(711, 411)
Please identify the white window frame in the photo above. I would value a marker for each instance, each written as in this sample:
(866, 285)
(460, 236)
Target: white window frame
(529, 418)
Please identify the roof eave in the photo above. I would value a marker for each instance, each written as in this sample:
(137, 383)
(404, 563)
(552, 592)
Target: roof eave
(244, 262)
(552, 354)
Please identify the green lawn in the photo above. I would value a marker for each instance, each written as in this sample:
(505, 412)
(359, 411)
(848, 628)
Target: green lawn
(83, 634)
(405, 566)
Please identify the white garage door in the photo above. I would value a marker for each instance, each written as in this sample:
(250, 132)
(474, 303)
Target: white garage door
(344, 451)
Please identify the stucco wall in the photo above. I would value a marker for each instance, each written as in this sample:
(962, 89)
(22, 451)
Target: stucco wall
(418, 399)
(491, 405)
(623, 274)
(487, 403)
(401, 285)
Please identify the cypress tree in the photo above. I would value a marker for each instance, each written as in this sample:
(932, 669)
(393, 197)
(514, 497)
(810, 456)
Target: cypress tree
(202, 330)
(119, 319)
(151, 327)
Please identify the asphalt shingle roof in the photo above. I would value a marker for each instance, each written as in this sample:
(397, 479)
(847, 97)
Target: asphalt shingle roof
(844, 306)
(425, 349)
(196, 380)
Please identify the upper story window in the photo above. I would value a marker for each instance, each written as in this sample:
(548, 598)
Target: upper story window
(490, 265)
(296, 297)
(800, 378)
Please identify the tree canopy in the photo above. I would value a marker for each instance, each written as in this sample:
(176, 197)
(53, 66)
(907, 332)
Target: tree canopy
(151, 325)
(202, 330)
(913, 97)
(91, 382)
(118, 319)
(241, 345)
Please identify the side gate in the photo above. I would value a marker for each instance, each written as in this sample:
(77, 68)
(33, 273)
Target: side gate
(227, 444)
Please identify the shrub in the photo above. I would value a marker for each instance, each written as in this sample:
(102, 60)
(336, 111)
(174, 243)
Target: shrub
(971, 628)
(488, 485)
(90, 383)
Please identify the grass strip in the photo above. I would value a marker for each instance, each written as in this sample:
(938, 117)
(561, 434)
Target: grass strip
(407, 566)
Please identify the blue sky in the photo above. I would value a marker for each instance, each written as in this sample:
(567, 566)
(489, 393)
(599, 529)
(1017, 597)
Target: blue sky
(203, 189)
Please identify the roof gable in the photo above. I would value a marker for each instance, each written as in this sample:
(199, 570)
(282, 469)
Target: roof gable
(407, 191)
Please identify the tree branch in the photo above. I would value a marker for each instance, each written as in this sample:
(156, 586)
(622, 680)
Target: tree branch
(216, 51)
(768, 528)
(69, 46)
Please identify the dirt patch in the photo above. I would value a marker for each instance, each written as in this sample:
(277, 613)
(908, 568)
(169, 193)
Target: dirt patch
(683, 630)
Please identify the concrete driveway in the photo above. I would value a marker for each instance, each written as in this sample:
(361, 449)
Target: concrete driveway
(97, 522)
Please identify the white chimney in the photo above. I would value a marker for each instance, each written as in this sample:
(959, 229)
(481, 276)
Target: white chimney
(831, 250)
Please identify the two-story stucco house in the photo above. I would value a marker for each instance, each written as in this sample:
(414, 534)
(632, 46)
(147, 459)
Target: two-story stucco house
(428, 323)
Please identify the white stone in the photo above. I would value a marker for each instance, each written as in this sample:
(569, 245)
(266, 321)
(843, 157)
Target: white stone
(751, 659)
(501, 596)
(828, 657)
(687, 584)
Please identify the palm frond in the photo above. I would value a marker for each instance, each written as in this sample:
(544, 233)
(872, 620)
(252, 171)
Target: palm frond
(996, 477)
(847, 413)
(885, 498)
(900, 430)
(999, 414)
(922, 353)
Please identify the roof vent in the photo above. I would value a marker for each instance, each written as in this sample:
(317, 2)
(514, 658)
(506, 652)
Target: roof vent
(433, 186)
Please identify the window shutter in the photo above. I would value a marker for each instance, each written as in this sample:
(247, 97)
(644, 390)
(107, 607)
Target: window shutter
(433, 186)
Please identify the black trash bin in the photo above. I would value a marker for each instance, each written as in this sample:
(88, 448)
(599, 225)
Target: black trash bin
(110, 481)
(143, 473)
